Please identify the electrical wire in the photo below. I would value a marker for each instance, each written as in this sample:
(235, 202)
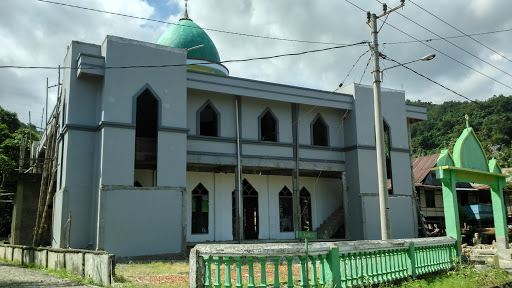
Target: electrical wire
(433, 81)
(364, 72)
(353, 67)
(458, 61)
(439, 51)
(449, 37)
(171, 23)
(178, 65)
(469, 36)
(457, 46)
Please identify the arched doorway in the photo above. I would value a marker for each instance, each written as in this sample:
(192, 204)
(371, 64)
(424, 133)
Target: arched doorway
(250, 211)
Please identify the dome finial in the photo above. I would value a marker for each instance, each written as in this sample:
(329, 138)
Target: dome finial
(185, 15)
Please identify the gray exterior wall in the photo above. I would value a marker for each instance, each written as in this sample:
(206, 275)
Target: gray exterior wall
(98, 142)
(362, 184)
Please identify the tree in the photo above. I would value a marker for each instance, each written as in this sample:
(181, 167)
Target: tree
(4, 133)
(7, 166)
(10, 119)
(491, 119)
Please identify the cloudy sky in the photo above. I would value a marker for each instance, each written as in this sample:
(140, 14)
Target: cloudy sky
(35, 33)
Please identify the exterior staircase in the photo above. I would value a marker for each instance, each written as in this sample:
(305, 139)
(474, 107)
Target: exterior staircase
(332, 224)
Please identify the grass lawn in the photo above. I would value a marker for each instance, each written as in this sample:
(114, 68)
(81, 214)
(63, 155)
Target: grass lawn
(463, 276)
(175, 274)
(154, 274)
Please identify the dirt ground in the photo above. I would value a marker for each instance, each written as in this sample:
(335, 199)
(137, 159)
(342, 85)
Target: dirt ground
(12, 276)
(139, 275)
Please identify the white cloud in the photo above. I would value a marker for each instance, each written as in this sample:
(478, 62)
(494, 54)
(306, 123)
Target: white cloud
(36, 33)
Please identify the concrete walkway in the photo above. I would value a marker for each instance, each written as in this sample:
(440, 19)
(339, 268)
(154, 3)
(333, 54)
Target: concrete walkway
(13, 276)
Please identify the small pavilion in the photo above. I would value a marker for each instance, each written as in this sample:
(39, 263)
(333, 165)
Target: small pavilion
(469, 164)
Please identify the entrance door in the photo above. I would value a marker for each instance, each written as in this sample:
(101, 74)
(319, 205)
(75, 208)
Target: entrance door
(250, 211)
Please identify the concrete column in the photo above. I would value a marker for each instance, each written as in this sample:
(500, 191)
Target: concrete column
(239, 230)
(500, 217)
(451, 208)
(295, 173)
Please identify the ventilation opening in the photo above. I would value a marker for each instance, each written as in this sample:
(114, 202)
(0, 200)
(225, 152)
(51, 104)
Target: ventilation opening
(268, 125)
(146, 140)
(305, 210)
(208, 121)
(320, 133)
(200, 208)
(286, 210)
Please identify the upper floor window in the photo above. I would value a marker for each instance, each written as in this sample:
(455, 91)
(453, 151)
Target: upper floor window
(268, 126)
(208, 120)
(319, 131)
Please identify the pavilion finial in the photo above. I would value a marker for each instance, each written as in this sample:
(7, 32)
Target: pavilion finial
(185, 15)
(467, 120)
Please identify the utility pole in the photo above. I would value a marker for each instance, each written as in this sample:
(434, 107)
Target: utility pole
(46, 119)
(385, 222)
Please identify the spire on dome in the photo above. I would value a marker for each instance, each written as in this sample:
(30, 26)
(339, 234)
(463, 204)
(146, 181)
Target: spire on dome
(185, 15)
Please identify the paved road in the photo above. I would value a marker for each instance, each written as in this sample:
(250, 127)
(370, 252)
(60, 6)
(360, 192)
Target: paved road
(12, 276)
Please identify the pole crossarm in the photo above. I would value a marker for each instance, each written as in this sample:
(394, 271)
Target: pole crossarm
(388, 12)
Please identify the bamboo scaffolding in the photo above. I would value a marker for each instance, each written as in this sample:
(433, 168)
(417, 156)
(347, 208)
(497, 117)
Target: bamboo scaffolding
(48, 177)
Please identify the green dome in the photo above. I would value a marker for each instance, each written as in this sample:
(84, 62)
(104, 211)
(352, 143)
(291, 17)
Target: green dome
(187, 34)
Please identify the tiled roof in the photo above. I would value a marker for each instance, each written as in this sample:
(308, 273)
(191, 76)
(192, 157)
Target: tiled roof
(422, 167)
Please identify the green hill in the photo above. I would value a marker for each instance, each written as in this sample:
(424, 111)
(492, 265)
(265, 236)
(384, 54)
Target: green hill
(491, 119)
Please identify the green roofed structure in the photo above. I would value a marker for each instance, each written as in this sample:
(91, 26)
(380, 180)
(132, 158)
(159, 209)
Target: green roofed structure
(186, 34)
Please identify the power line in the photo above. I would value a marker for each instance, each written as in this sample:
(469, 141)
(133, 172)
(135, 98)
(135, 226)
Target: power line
(353, 67)
(449, 37)
(433, 81)
(178, 65)
(356, 6)
(364, 71)
(489, 48)
(171, 23)
(451, 42)
(467, 66)
(463, 64)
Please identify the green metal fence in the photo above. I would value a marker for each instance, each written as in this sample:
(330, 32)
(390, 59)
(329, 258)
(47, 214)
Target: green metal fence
(330, 264)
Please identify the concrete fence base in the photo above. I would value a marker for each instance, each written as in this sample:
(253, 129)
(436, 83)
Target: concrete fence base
(97, 265)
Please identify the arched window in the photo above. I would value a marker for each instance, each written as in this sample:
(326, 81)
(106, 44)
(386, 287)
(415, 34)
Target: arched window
(305, 210)
(286, 210)
(319, 131)
(387, 146)
(200, 208)
(268, 126)
(208, 120)
(146, 139)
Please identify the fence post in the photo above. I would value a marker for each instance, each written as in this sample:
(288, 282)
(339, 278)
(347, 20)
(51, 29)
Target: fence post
(197, 269)
(411, 261)
(332, 271)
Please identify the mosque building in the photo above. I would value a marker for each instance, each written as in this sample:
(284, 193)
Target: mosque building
(155, 159)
